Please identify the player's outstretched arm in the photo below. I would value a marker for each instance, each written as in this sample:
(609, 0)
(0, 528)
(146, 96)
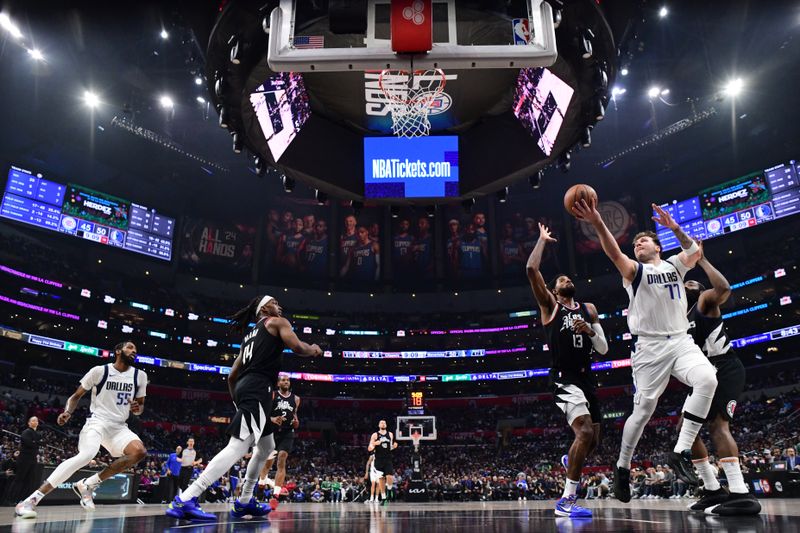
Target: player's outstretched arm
(626, 266)
(545, 298)
(689, 249)
(71, 405)
(711, 299)
(291, 341)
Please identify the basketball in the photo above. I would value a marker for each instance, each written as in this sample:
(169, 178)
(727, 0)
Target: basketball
(579, 192)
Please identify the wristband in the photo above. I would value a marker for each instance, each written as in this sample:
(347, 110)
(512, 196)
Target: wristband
(691, 250)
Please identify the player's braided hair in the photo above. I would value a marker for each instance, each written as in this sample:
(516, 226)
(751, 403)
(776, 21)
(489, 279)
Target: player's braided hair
(241, 318)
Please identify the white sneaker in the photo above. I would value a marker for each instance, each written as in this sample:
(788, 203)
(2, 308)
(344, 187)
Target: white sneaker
(84, 492)
(25, 509)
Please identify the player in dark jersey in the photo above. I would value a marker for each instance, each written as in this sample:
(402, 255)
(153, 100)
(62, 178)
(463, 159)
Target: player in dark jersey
(250, 383)
(423, 249)
(290, 247)
(401, 247)
(573, 333)
(316, 251)
(471, 251)
(382, 443)
(348, 238)
(510, 252)
(708, 331)
(285, 405)
(363, 263)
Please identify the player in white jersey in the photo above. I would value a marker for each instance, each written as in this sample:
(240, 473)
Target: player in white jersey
(662, 345)
(117, 389)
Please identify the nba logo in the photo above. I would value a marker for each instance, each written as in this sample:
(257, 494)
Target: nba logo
(522, 33)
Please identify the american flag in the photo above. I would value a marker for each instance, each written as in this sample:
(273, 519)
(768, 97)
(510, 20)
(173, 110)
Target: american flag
(309, 41)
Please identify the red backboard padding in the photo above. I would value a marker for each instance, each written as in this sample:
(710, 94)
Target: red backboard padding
(412, 26)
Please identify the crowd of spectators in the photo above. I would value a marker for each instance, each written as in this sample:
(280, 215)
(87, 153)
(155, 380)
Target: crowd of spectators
(463, 465)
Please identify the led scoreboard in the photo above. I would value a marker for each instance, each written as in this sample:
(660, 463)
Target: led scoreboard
(86, 214)
(416, 402)
(735, 205)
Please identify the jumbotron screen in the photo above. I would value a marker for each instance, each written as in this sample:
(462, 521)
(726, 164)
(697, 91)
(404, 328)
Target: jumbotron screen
(422, 167)
(86, 214)
(738, 204)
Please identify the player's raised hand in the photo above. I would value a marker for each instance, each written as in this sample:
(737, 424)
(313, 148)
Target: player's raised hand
(663, 218)
(544, 233)
(587, 212)
(63, 418)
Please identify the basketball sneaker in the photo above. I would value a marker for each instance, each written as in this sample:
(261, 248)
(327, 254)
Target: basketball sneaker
(84, 492)
(709, 498)
(622, 484)
(25, 509)
(736, 504)
(682, 464)
(565, 461)
(188, 510)
(569, 507)
(252, 508)
(273, 502)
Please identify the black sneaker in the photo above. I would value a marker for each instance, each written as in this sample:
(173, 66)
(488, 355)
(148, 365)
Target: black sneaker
(709, 498)
(622, 484)
(736, 504)
(681, 463)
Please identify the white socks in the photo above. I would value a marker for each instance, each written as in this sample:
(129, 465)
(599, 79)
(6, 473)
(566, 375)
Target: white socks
(625, 453)
(707, 473)
(93, 480)
(570, 488)
(688, 434)
(734, 474)
(36, 497)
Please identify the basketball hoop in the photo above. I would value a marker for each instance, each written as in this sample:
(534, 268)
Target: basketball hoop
(416, 436)
(410, 96)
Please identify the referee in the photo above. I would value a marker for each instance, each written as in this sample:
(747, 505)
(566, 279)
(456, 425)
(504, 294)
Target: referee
(188, 462)
(26, 462)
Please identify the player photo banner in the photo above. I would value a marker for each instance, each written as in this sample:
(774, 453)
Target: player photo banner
(517, 225)
(297, 241)
(217, 248)
(621, 220)
(359, 242)
(412, 250)
(467, 251)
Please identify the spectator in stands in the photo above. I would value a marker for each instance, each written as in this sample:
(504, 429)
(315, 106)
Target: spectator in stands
(790, 456)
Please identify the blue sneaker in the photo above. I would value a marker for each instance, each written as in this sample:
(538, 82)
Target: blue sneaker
(565, 460)
(252, 508)
(188, 510)
(568, 507)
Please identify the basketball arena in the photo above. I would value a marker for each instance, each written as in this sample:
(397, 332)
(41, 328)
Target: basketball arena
(399, 265)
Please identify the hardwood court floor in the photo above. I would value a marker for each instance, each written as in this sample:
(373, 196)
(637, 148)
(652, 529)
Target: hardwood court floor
(610, 516)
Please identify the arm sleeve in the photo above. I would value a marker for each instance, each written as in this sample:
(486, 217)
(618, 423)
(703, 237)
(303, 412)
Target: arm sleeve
(92, 378)
(142, 391)
(678, 264)
(599, 340)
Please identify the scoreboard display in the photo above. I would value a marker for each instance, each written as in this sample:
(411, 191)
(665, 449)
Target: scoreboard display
(735, 205)
(416, 402)
(86, 214)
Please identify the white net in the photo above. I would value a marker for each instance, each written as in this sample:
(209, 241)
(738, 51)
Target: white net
(410, 96)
